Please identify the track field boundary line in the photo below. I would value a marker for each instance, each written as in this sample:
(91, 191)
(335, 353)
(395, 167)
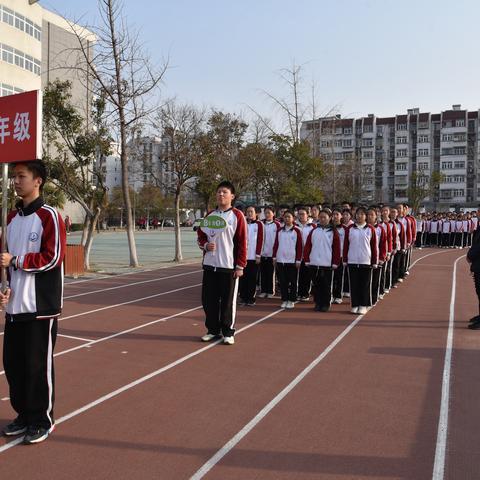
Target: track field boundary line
(76, 282)
(141, 380)
(118, 334)
(442, 432)
(227, 447)
(81, 314)
(116, 287)
(145, 378)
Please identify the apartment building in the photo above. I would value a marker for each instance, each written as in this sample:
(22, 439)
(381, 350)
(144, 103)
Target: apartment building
(387, 151)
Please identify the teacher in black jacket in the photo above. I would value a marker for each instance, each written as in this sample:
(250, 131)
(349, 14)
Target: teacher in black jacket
(473, 258)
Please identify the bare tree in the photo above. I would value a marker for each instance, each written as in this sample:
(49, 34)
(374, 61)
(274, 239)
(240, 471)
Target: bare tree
(126, 78)
(180, 127)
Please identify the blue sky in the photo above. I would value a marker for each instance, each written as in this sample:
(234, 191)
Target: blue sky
(365, 56)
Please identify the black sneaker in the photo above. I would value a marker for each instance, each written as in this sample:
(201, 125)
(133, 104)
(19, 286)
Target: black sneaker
(474, 326)
(250, 304)
(474, 319)
(37, 434)
(17, 427)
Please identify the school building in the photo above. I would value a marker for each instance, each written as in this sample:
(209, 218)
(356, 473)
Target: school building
(385, 152)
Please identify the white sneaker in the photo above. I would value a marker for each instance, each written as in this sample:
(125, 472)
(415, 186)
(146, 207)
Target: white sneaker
(346, 295)
(362, 310)
(387, 290)
(354, 310)
(209, 337)
(269, 295)
(228, 340)
(407, 273)
(400, 280)
(262, 295)
(381, 296)
(304, 299)
(284, 304)
(338, 301)
(290, 304)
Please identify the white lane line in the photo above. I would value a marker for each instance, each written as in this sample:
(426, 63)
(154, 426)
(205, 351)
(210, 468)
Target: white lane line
(207, 466)
(118, 334)
(125, 303)
(153, 374)
(130, 273)
(141, 380)
(126, 285)
(440, 451)
(74, 338)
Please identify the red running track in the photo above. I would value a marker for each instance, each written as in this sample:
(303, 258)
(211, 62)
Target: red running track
(138, 396)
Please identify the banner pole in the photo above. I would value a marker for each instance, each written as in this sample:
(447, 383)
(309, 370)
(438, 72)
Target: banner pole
(4, 223)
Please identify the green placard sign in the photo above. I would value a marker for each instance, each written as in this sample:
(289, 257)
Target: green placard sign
(214, 221)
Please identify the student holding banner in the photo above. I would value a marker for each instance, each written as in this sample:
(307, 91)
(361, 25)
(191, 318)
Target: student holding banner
(223, 239)
(36, 240)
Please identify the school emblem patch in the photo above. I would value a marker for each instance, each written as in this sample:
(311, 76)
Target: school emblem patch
(33, 236)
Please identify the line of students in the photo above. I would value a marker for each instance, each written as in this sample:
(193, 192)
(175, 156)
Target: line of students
(446, 230)
(329, 255)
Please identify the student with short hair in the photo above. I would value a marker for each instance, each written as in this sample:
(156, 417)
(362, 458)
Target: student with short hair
(287, 256)
(381, 238)
(304, 280)
(399, 249)
(255, 238)
(224, 259)
(36, 239)
(267, 269)
(346, 222)
(389, 227)
(360, 254)
(322, 256)
(339, 272)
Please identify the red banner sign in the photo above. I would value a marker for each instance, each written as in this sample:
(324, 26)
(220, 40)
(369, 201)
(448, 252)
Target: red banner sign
(21, 127)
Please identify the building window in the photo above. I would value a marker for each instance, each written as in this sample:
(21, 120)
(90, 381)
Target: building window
(347, 131)
(423, 139)
(401, 166)
(367, 154)
(423, 152)
(367, 142)
(458, 165)
(402, 140)
(20, 59)
(20, 22)
(347, 143)
(338, 143)
(401, 153)
(459, 192)
(447, 165)
(401, 126)
(448, 137)
(367, 128)
(423, 166)
(460, 123)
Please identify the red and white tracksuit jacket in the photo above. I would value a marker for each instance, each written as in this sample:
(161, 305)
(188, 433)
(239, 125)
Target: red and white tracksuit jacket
(322, 248)
(288, 245)
(255, 239)
(231, 243)
(270, 233)
(36, 237)
(360, 245)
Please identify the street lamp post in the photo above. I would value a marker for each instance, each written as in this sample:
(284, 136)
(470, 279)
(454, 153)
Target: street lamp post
(121, 216)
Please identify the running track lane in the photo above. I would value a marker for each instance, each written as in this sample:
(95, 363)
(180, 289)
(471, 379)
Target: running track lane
(255, 370)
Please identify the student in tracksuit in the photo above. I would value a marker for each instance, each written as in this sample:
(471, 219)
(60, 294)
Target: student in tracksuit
(473, 258)
(304, 280)
(255, 236)
(389, 227)
(322, 256)
(398, 248)
(36, 239)
(267, 269)
(287, 256)
(435, 232)
(346, 222)
(360, 255)
(339, 272)
(224, 259)
(459, 231)
(381, 237)
(402, 211)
